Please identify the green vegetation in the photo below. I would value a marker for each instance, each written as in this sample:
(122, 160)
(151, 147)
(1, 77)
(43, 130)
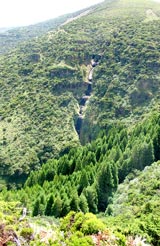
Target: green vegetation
(26, 231)
(10, 226)
(112, 171)
(87, 177)
(135, 206)
(82, 229)
(42, 82)
(10, 38)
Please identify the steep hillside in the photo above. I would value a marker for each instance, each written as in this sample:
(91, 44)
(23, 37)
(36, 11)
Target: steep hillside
(126, 83)
(11, 37)
(80, 130)
(99, 69)
(86, 180)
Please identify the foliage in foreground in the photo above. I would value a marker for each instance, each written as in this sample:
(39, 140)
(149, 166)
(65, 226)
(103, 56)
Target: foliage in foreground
(86, 179)
(12, 228)
(85, 229)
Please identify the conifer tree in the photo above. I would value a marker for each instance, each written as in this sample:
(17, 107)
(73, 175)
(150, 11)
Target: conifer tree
(83, 205)
(114, 170)
(42, 204)
(123, 143)
(57, 207)
(50, 173)
(36, 208)
(142, 155)
(92, 200)
(65, 206)
(74, 202)
(78, 165)
(156, 144)
(104, 186)
(48, 210)
(41, 177)
(98, 153)
(83, 181)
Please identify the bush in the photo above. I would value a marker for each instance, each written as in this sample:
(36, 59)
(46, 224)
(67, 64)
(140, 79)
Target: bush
(92, 225)
(78, 238)
(27, 233)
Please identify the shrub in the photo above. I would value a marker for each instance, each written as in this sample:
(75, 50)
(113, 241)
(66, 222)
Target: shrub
(92, 225)
(27, 233)
(78, 238)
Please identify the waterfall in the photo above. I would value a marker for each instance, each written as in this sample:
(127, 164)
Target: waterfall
(85, 98)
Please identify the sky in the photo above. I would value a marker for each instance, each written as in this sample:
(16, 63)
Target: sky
(25, 12)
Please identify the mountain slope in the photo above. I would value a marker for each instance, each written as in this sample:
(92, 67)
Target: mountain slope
(44, 81)
(86, 180)
(11, 37)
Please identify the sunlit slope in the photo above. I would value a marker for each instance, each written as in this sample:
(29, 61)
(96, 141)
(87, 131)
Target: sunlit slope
(42, 82)
(136, 205)
(126, 82)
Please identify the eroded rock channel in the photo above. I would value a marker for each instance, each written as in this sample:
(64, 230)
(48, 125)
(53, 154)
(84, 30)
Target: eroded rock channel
(88, 93)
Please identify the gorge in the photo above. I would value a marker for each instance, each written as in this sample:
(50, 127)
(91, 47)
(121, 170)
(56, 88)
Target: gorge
(88, 93)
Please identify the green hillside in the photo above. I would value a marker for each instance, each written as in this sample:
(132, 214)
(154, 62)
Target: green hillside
(10, 38)
(80, 129)
(43, 82)
(135, 207)
(86, 180)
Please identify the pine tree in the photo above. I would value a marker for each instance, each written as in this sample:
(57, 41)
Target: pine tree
(83, 181)
(83, 205)
(104, 186)
(36, 208)
(74, 204)
(57, 207)
(156, 144)
(92, 200)
(114, 170)
(65, 206)
(48, 210)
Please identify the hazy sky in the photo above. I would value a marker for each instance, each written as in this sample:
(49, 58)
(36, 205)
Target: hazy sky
(25, 12)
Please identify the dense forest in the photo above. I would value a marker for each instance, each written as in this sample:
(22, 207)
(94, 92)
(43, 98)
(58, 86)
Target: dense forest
(80, 128)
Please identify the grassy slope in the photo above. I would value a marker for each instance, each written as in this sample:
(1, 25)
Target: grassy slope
(42, 82)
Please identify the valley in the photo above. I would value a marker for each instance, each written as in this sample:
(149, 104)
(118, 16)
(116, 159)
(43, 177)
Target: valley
(80, 128)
